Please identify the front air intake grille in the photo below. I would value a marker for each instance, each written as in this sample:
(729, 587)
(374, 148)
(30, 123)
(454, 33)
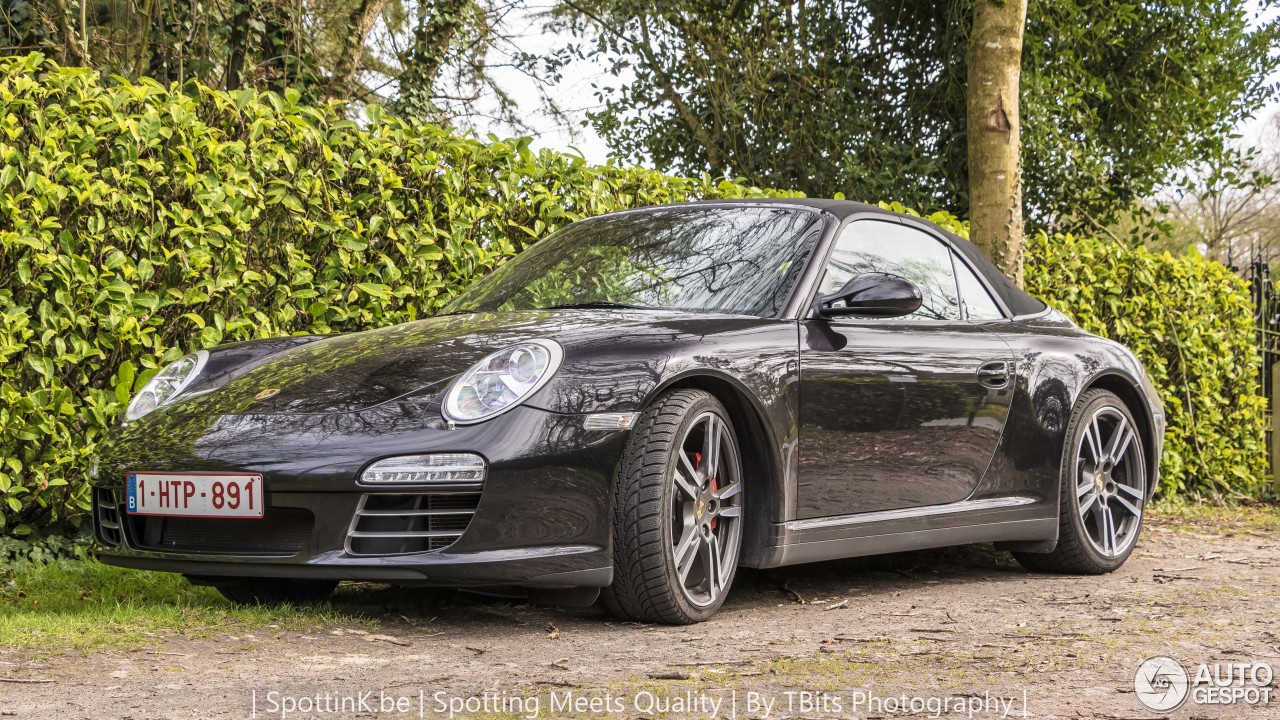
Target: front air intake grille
(281, 531)
(402, 523)
(106, 517)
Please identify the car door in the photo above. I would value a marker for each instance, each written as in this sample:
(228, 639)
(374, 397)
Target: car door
(900, 412)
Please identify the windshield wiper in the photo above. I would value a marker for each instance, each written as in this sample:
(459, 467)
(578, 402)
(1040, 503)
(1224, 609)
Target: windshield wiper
(599, 304)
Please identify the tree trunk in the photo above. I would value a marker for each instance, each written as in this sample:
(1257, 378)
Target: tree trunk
(238, 43)
(165, 40)
(279, 44)
(356, 33)
(995, 166)
(438, 24)
(436, 32)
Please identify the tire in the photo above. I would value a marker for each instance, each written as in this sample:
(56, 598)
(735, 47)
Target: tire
(1102, 486)
(678, 513)
(276, 591)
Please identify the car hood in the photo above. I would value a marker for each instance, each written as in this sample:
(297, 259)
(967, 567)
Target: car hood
(353, 372)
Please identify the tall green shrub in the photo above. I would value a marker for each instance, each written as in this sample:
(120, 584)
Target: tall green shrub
(1190, 321)
(138, 222)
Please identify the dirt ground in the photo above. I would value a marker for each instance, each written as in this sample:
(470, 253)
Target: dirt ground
(963, 623)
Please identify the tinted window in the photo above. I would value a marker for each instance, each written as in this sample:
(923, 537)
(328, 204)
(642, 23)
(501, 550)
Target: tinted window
(874, 246)
(977, 302)
(741, 260)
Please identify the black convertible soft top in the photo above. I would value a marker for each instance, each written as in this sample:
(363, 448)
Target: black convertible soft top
(1018, 301)
(1014, 297)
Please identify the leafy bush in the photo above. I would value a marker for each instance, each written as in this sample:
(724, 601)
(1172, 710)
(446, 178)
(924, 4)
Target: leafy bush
(1190, 321)
(138, 222)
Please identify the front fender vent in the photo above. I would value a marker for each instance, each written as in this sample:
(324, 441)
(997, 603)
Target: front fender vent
(405, 523)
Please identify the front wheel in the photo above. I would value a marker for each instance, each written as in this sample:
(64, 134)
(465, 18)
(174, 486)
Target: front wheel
(1103, 490)
(677, 518)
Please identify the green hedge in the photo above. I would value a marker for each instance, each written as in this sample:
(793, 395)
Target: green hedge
(138, 222)
(1190, 321)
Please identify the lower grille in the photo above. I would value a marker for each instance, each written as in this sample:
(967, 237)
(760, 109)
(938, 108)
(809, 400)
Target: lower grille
(106, 517)
(399, 524)
(281, 531)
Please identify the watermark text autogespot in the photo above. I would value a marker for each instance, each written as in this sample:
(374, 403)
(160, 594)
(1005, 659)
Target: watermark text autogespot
(1163, 684)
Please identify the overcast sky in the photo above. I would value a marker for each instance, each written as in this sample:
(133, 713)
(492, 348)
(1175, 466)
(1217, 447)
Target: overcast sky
(574, 95)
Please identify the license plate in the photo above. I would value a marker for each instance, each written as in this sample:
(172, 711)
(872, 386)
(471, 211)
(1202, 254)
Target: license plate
(236, 495)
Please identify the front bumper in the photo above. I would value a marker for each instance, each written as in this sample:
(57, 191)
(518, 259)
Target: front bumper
(587, 568)
(540, 518)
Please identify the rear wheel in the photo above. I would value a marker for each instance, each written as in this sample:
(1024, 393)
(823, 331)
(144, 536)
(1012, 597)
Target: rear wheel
(677, 519)
(274, 591)
(1103, 490)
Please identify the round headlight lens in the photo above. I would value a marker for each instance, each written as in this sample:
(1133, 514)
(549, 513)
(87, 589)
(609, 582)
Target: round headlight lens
(165, 385)
(501, 381)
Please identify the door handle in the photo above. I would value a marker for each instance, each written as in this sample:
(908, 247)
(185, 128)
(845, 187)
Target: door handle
(994, 374)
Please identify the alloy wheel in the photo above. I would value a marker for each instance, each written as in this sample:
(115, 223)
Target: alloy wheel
(706, 510)
(1111, 482)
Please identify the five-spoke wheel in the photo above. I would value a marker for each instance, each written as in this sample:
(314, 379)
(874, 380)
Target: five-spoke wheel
(677, 521)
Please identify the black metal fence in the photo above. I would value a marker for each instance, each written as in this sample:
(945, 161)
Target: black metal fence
(1266, 323)
(1266, 320)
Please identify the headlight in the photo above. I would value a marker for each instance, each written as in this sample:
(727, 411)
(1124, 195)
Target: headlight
(501, 381)
(165, 385)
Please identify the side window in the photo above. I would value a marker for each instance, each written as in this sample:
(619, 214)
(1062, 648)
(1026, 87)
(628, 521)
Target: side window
(875, 246)
(977, 302)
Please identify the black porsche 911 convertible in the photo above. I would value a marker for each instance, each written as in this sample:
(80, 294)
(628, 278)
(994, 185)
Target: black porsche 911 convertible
(637, 406)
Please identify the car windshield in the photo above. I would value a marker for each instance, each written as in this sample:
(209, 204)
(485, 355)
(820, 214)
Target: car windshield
(739, 260)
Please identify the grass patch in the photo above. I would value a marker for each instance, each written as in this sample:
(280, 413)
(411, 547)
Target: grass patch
(84, 605)
(1211, 518)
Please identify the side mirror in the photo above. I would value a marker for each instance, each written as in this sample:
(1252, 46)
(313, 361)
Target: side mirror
(872, 295)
